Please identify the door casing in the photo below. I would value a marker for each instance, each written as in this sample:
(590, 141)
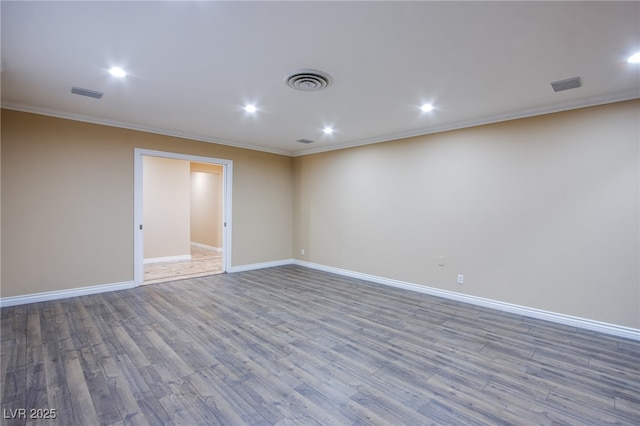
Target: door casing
(138, 231)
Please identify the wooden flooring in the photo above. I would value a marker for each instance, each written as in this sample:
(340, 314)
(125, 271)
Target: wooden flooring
(293, 346)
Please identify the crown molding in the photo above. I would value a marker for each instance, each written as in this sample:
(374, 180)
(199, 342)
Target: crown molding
(566, 106)
(95, 120)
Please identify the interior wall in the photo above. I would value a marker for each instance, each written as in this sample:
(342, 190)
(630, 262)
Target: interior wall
(166, 207)
(206, 204)
(541, 212)
(72, 215)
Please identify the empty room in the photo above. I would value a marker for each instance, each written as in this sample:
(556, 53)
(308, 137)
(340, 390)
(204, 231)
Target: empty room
(320, 213)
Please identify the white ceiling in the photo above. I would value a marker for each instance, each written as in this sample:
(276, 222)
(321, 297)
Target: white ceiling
(192, 66)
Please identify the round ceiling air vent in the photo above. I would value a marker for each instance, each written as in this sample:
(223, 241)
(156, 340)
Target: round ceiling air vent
(308, 80)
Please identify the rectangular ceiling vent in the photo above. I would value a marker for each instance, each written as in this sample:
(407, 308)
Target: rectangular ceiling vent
(304, 141)
(570, 83)
(86, 92)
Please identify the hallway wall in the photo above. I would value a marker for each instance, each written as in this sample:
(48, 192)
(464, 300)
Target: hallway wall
(166, 207)
(206, 204)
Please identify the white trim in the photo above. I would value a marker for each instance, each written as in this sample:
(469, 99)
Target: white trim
(227, 217)
(496, 118)
(612, 329)
(490, 119)
(131, 126)
(168, 259)
(63, 294)
(138, 219)
(206, 247)
(227, 179)
(253, 266)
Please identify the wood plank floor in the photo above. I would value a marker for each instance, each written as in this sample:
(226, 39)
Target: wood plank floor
(293, 346)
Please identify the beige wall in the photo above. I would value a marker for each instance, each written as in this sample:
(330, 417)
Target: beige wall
(67, 202)
(540, 212)
(166, 207)
(206, 204)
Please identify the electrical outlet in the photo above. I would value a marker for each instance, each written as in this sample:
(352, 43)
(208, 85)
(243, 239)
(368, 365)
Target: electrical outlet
(302, 252)
(460, 279)
(441, 260)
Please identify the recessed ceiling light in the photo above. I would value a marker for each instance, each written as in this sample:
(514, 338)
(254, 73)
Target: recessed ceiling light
(327, 130)
(117, 72)
(250, 108)
(634, 59)
(426, 108)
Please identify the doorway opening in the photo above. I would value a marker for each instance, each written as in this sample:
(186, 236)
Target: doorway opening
(182, 212)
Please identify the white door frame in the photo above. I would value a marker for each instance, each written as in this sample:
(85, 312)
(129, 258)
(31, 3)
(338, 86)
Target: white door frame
(138, 235)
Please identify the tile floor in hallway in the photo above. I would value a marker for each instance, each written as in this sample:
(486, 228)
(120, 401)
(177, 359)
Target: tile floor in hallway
(203, 262)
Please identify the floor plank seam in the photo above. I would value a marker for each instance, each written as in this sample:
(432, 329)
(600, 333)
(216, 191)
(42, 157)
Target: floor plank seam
(288, 344)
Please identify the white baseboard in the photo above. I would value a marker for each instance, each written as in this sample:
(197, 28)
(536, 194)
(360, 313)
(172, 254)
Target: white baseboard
(63, 294)
(206, 247)
(168, 259)
(612, 329)
(253, 266)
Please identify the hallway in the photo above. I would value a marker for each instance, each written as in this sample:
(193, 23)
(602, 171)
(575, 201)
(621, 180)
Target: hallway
(203, 262)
